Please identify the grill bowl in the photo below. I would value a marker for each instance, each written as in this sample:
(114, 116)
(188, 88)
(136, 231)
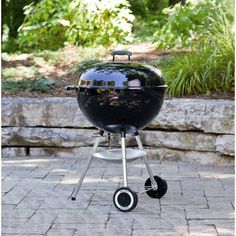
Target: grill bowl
(127, 109)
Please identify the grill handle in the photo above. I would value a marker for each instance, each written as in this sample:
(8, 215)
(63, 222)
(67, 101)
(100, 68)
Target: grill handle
(121, 52)
(70, 87)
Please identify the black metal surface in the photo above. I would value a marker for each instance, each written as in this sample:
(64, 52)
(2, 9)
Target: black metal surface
(120, 109)
(120, 75)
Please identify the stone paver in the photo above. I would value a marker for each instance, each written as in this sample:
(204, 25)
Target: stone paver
(36, 199)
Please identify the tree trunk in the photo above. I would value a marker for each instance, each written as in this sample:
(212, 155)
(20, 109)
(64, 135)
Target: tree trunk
(173, 2)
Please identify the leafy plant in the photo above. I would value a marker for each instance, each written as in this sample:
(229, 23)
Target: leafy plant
(147, 8)
(144, 28)
(38, 85)
(9, 45)
(51, 23)
(210, 67)
(186, 23)
(19, 72)
(42, 84)
(12, 15)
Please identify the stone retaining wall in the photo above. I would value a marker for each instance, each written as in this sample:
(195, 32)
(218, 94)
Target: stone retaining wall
(186, 129)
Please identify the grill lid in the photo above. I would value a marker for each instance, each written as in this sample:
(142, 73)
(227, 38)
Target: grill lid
(120, 75)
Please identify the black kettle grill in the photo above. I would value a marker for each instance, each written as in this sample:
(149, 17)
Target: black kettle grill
(121, 97)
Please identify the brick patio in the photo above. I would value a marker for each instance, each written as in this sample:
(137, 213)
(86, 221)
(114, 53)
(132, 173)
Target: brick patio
(36, 199)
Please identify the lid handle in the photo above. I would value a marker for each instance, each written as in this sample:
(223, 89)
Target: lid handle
(121, 52)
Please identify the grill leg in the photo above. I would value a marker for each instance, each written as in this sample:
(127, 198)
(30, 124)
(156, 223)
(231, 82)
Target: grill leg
(149, 170)
(109, 140)
(124, 163)
(86, 167)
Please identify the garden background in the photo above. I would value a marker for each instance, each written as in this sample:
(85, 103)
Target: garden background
(45, 44)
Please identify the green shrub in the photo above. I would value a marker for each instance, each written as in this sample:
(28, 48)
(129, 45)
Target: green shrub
(19, 72)
(144, 28)
(147, 8)
(51, 23)
(186, 23)
(33, 85)
(210, 67)
(13, 16)
(10, 45)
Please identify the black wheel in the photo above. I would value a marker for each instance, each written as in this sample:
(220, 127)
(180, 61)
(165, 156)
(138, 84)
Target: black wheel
(125, 199)
(156, 193)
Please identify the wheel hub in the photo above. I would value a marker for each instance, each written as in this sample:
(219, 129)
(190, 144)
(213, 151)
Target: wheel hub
(124, 199)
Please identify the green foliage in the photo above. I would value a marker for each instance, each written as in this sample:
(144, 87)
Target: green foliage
(185, 24)
(42, 84)
(12, 18)
(19, 72)
(10, 45)
(43, 25)
(51, 23)
(12, 15)
(210, 67)
(147, 8)
(144, 28)
(148, 17)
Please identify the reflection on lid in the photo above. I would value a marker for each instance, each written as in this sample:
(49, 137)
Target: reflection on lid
(85, 83)
(134, 83)
(125, 83)
(82, 82)
(99, 83)
(111, 83)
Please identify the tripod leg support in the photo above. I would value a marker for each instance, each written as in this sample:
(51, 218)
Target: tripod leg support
(86, 167)
(149, 170)
(124, 160)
